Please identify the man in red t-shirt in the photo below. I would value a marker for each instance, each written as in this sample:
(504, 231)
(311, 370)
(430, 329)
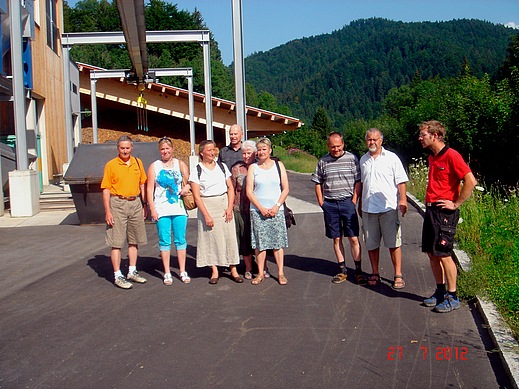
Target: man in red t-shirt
(446, 171)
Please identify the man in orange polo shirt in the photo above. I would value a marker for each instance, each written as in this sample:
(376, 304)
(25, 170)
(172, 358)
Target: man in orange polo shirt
(124, 199)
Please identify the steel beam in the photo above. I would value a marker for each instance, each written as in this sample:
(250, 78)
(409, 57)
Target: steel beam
(162, 72)
(132, 15)
(201, 36)
(158, 72)
(208, 91)
(117, 38)
(93, 107)
(239, 72)
(69, 128)
(22, 159)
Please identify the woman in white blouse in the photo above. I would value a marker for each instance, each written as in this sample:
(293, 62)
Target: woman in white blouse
(214, 195)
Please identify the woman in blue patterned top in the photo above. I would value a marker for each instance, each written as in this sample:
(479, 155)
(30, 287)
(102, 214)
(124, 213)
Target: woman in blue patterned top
(167, 182)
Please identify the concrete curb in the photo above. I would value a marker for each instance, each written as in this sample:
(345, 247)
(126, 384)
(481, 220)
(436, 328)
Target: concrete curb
(499, 331)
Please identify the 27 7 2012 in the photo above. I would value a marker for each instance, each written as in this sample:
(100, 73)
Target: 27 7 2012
(442, 353)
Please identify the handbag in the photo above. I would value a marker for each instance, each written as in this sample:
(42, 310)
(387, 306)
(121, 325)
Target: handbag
(289, 217)
(189, 201)
(290, 220)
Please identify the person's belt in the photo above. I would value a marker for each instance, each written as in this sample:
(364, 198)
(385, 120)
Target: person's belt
(336, 201)
(432, 204)
(129, 198)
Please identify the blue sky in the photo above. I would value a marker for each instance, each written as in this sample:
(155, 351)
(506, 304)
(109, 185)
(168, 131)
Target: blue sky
(270, 23)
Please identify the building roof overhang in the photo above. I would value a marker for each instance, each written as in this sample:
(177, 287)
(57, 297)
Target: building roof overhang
(263, 121)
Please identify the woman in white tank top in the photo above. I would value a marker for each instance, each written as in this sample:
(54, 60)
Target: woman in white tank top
(267, 189)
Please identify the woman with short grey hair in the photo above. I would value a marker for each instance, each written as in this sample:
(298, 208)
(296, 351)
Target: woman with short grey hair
(242, 204)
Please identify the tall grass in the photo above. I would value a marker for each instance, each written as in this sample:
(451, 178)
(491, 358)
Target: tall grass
(417, 184)
(296, 160)
(489, 234)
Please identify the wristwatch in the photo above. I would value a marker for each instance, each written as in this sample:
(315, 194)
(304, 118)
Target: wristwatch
(279, 205)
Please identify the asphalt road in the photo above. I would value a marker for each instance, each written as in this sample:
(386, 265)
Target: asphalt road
(63, 323)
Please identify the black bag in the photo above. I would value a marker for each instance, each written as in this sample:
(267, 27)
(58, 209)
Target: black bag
(290, 220)
(289, 217)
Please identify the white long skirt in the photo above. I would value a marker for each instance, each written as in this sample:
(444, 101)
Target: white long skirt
(216, 246)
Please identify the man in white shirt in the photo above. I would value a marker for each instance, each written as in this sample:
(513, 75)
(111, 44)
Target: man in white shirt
(383, 181)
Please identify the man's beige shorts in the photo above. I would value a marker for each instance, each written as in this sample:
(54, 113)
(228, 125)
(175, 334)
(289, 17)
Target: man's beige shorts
(377, 225)
(128, 223)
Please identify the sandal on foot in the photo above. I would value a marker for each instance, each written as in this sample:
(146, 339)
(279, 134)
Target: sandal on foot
(248, 275)
(337, 279)
(266, 273)
(185, 278)
(282, 280)
(374, 280)
(168, 280)
(237, 279)
(398, 284)
(257, 280)
(361, 279)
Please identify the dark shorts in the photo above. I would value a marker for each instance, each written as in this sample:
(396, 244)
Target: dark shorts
(439, 228)
(340, 218)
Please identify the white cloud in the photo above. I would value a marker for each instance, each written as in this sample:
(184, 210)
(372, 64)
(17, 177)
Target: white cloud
(512, 25)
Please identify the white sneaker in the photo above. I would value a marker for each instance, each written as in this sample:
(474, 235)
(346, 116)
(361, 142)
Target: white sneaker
(122, 283)
(135, 277)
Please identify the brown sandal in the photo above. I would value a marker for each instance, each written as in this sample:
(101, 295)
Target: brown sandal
(361, 279)
(257, 280)
(282, 280)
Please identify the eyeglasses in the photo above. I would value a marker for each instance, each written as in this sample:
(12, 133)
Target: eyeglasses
(422, 135)
(165, 138)
(372, 140)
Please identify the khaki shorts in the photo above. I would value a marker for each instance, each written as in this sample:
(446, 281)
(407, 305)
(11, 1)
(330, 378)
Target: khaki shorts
(377, 225)
(128, 223)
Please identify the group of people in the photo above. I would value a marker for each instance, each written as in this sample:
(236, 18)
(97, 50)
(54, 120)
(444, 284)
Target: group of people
(240, 199)
(376, 185)
(238, 213)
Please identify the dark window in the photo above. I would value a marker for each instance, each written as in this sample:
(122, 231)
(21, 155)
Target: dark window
(52, 25)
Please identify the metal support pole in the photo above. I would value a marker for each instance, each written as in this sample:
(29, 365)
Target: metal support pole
(208, 90)
(1, 188)
(93, 99)
(22, 159)
(239, 73)
(69, 128)
(191, 114)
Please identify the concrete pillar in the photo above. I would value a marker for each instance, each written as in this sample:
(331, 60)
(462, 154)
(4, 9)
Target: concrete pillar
(24, 193)
(193, 160)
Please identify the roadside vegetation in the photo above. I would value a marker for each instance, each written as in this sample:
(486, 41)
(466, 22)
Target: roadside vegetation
(296, 160)
(490, 236)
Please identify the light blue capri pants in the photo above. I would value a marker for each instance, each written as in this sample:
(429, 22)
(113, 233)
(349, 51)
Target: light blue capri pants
(178, 224)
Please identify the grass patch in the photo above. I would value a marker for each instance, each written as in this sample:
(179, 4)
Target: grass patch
(489, 235)
(296, 160)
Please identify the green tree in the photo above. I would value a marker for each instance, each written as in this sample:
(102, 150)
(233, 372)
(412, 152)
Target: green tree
(321, 123)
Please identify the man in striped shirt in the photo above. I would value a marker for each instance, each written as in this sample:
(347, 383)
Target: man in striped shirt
(338, 187)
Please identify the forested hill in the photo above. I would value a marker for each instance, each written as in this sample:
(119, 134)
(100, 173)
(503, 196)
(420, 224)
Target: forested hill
(350, 71)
